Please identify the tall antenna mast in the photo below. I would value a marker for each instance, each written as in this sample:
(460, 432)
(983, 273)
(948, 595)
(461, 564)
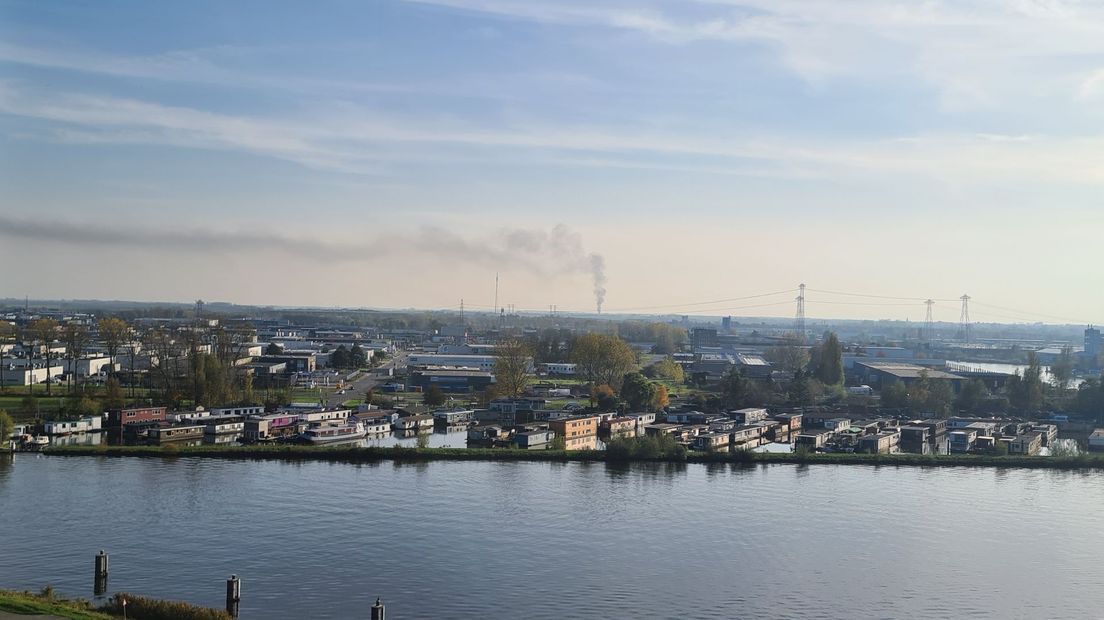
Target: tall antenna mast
(496, 293)
(461, 311)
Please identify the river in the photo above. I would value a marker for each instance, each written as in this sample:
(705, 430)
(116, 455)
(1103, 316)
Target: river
(560, 540)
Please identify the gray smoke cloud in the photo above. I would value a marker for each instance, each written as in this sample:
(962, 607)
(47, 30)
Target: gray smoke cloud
(598, 273)
(542, 252)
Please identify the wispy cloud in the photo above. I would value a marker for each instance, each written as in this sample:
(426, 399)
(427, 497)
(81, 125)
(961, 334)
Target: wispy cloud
(970, 50)
(361, 141)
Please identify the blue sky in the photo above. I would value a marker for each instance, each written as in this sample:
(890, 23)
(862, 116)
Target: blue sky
(397, 154)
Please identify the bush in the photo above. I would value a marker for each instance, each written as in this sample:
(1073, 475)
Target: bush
(154, 609)
(645, 448)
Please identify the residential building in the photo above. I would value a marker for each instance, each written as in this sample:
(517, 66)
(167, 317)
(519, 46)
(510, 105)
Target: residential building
(748, 416)
(962, 439)
(618, 426)
(792, 421)
(534, 439)
(812, 439)
(175, 433)
(642, 420)
(1028, 444)
(264, 427)
(453, 417)
(325, 415)
(711, 441)
(1096, 440)
(884, 442)
(83, 425)
(416, 422)
(224, 426)
(748, 436)
(575, 427)
(1048, 433)
(136, 415)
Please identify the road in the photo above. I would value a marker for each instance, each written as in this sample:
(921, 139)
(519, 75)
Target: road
(370, 379)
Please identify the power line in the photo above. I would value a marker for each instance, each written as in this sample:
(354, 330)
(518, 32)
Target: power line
(918, 300)
(1039, 314)
(704, 303)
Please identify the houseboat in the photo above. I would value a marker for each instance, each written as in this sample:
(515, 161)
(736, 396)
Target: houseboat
(423, 422)
(337, 432)
(175, 433)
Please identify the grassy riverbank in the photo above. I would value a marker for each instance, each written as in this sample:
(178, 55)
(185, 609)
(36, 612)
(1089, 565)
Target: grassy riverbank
(137, 607)
(371, 454)
(26, 603)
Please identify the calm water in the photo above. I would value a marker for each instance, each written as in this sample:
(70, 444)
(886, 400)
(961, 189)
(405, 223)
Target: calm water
(544, 540)
(1009, 369)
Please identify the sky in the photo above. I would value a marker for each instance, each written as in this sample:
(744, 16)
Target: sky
(693, 157)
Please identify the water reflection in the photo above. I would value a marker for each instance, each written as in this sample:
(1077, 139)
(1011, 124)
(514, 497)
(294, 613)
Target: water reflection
(7, 463)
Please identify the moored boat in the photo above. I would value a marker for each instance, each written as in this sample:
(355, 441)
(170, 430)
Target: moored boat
(337, 432)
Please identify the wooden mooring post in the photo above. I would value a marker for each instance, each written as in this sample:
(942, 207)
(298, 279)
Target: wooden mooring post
(100, 587)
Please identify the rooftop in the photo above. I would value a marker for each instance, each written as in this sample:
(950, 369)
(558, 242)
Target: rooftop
(904, 370)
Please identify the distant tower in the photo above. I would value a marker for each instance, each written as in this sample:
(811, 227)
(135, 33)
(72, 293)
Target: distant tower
(462, 312)
(496, 294)
(199, 311)
(1094, 344)
(799, 320)
(929, 324)
(964, 319)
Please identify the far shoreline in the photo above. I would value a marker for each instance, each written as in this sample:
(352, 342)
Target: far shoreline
(404, 454)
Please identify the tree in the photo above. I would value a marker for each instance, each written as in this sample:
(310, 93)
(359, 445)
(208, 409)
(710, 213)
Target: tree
(788, 357)
(737, 391)
(113, 395)
(669, 370)
(1025, 392)
(1062, 369)
(132, 347)
(602, 358)
(895, 395)
(1090, 398)
(972, 394)
(340, 357)
(28, 406)
(661, 398)
(357, 357)
(273, 349)
(604, 397)
(511, 368)
(75, 336)
(163, 351)
(82, 405)
(800, 390)
(44, 331)
(940, 398)
(113, 331)
(638, 392)
(7, 427)
(829, 362)
(433, 396)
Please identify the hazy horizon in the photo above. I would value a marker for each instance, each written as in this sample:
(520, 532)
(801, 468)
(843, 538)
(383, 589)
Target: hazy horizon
(400, 154)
